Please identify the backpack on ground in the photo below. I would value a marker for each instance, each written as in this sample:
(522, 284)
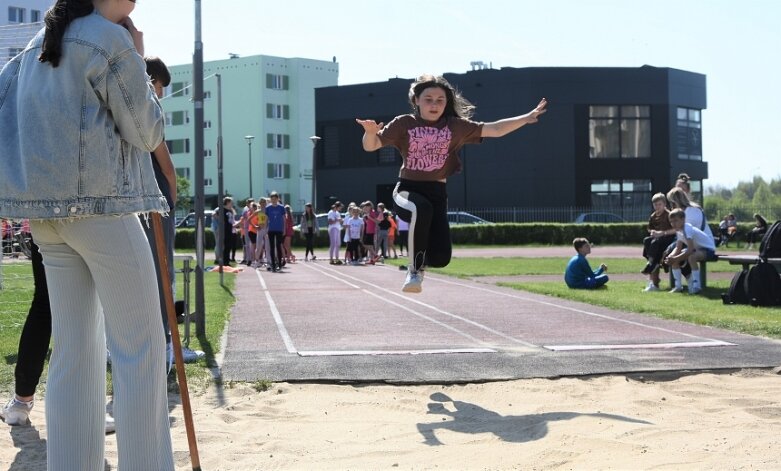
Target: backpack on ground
(736, 294)
(770, 247)
(763, 285)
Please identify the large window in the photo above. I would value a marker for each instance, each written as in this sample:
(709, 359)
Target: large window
(183, 172)
(178, 146)
(16, 14)
(176, 118)
(388, 155)
(623, 197)
(278, 141)
(277, 111)
(277, 82)
(331, 146)
(179, 89)
(35, 16)
(689, 134)
(619, 132)
(279, 171)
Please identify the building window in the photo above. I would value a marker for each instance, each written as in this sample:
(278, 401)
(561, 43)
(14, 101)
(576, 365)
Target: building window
(277, 111)
(207, 153)
(178, 146)
(207, 95)
(179, 89)
(16, 14)
(619, 132)
(207, 182)
(689, 134)
(278, 141)
(35, 16)
(183, 172)
(177, 118)
(279, 171)
(387, 155)
(623, 197)
(277, 82)
(207, 124)
(14, 51)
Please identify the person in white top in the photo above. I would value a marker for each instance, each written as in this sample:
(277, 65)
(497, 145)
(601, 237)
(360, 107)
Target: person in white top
(694, 246)
(334, 229)
(355, 227)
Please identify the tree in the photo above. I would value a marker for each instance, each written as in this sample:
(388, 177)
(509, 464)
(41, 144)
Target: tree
(183, 201)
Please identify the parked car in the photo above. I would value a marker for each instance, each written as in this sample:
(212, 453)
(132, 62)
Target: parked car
(189, 220)
(597, 218)
(322, 221)
(462, 217)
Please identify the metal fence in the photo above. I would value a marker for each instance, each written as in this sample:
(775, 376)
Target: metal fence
(569, 214)
(565, 214)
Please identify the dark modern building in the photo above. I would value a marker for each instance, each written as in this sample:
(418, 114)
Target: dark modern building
(610, 139)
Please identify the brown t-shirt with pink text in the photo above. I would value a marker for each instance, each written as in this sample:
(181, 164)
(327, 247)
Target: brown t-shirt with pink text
(429, 151)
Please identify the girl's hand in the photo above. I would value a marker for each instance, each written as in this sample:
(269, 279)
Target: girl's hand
(138, 36)
(370, 126)
(532, 116)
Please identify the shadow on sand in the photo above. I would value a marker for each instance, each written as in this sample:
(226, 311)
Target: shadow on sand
(471, 418)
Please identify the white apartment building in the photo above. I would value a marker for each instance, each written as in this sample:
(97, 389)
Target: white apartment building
(19, 21)
(269, 98)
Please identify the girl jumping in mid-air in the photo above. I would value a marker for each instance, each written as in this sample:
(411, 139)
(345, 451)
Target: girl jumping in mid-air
(429, 140)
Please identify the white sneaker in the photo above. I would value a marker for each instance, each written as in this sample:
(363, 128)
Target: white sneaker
(16, 412)
(677, 289)
(110, 425)
(190, 356)
(651, 287)
(413, 283)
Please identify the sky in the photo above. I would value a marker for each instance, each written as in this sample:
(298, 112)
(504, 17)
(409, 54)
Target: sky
(734, 43)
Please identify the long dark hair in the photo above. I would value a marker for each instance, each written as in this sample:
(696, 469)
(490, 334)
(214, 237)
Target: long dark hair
(457, 105)
(57, 20)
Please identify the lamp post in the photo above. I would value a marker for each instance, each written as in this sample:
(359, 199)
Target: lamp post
(314, 139)
(249, 145)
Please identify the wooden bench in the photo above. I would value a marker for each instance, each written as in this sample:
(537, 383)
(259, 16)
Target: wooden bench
(747, 260)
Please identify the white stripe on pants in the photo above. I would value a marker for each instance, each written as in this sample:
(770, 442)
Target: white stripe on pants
(91, 262)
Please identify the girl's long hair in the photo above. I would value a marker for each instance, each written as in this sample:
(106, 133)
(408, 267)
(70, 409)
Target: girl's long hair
(678, 198)
(457, 105)
(57, 19)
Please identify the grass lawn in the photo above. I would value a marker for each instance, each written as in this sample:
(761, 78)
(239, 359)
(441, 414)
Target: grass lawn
(704, 309)
(510, 266)
(18, 290)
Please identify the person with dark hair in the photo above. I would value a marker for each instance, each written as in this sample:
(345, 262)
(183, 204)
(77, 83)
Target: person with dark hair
(757, 232)
(578, 274)
(165, 176)
(308, 227)
(429, 140)
(78, 119)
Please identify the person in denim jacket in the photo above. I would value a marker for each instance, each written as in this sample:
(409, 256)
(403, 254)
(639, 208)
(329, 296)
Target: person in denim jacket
(78, 118)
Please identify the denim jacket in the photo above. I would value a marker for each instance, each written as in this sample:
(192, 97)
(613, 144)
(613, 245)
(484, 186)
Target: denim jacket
(75, 139)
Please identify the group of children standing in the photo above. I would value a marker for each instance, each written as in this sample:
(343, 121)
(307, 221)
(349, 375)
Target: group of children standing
(370, 234)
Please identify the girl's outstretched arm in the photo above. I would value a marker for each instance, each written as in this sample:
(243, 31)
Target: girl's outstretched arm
(508, 125)
(371, 141)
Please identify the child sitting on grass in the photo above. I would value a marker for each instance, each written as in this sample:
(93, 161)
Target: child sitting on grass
(579, 274)
(693, 246)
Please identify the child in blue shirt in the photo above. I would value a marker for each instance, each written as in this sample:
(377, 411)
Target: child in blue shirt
(579, 273)
(276, 231)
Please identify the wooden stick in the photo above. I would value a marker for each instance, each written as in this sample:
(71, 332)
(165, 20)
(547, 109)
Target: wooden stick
(162, 266)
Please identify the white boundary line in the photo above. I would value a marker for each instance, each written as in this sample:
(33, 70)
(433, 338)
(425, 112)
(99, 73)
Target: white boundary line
(428, 306)
(277, 317)
(317, 353)
(580, 311)
(568, 348)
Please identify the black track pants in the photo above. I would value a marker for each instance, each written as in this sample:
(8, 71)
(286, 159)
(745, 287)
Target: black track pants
(424, 206)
